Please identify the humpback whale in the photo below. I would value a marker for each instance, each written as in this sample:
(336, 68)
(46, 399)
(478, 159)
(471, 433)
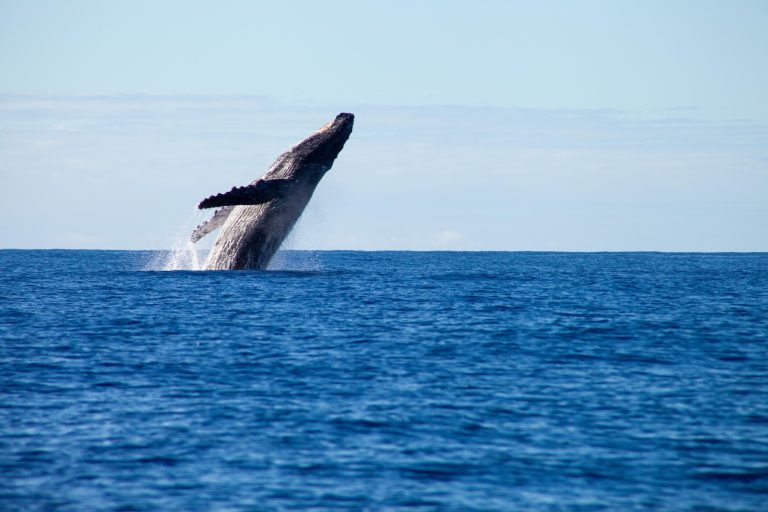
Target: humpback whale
(256, 218)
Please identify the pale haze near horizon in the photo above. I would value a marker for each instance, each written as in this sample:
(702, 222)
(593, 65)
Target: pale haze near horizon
(480, 126)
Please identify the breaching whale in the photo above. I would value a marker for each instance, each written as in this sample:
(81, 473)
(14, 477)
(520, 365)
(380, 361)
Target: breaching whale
(256, 218)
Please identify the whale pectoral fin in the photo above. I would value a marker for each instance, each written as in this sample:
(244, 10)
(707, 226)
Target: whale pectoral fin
(260, 192)
(213, 223)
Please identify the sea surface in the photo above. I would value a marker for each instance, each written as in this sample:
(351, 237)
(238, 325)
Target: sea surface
(385, 381)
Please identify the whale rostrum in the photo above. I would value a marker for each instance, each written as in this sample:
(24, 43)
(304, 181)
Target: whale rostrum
(256, 218)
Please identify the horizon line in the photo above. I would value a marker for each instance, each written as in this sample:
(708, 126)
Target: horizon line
(640, 251)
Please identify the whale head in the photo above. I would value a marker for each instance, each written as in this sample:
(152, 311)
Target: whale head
(322, 147)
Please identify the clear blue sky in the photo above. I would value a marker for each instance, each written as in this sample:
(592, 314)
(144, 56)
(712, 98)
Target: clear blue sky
(588, 125)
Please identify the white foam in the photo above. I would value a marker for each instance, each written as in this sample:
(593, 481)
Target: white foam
(184, 254)
(183, 257)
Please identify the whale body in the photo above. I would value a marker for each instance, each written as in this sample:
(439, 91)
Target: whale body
(256, 218)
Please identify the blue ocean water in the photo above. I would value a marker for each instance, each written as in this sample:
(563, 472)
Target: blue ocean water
(385, 381)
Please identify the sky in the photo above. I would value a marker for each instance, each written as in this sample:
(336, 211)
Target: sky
(549, 125)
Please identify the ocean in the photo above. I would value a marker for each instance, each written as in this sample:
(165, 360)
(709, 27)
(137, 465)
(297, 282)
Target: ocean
(420, 381)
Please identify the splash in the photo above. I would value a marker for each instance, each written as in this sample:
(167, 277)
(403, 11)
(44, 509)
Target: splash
(183, 256)
(187, 255)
